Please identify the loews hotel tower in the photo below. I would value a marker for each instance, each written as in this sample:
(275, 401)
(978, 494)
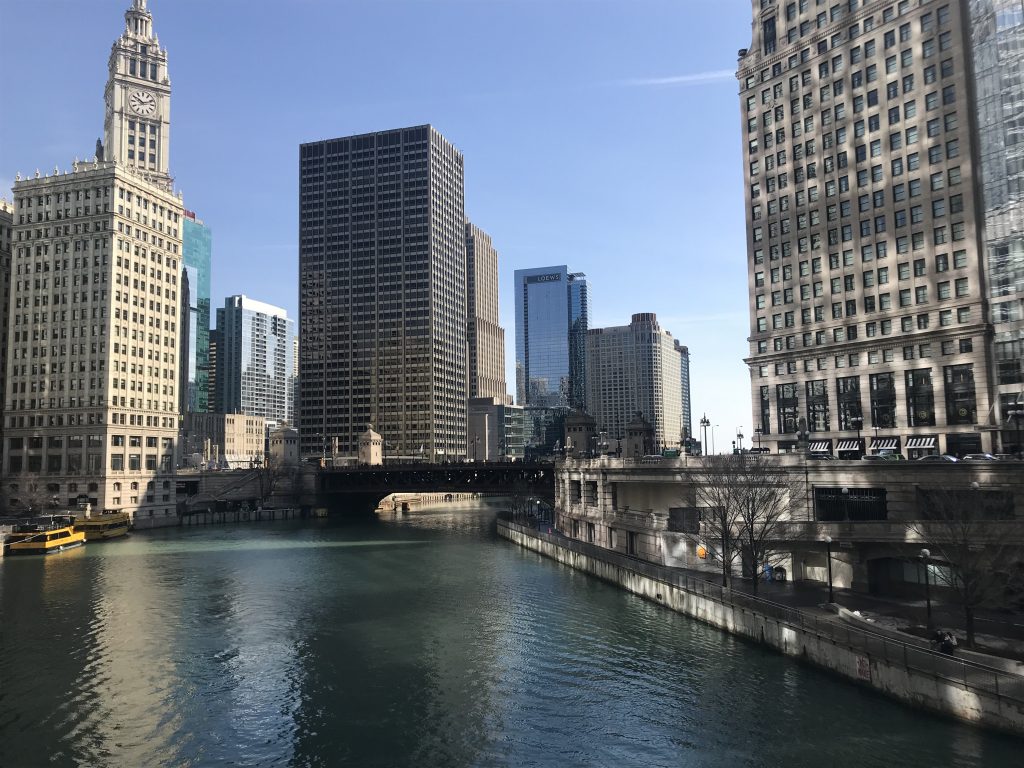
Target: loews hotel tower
(91, 407)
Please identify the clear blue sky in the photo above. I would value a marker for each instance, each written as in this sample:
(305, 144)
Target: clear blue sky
(602, 134)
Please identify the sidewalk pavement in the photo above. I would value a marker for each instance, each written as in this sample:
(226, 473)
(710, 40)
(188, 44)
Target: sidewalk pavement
(1000, 633)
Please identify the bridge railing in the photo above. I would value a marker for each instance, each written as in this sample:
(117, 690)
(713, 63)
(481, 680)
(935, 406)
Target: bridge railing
(971, 675)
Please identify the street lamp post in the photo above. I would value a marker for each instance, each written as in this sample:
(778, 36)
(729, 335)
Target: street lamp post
(857, 422)
(704, 424)
(828, 556)
(925, 554)
(739, 438)
(757, 436)
(1017, 413)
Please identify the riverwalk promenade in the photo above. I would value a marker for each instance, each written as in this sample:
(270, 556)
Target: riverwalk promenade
(897, 665)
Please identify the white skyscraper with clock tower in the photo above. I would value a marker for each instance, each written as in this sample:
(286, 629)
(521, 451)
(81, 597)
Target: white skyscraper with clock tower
(91, 407)
(137, 124)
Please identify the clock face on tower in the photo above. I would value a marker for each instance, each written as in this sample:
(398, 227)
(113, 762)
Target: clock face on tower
(142, 103)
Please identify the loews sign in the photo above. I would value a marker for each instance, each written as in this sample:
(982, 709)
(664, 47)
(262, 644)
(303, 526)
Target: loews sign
(552, 278)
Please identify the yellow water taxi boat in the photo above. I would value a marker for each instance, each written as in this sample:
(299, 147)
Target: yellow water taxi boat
(108, 525)
(44, 537)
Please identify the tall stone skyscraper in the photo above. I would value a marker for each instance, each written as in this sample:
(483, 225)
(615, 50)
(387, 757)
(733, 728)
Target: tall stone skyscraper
(485, 336)
(634, 369)
(6, 232)
(382, 305)
(94, 349)
(137, 127)
(868, 303)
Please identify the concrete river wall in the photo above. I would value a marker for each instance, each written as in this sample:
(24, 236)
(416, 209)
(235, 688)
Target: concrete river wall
(943, 684)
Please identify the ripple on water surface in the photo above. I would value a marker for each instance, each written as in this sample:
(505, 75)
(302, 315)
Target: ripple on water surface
(419, 642)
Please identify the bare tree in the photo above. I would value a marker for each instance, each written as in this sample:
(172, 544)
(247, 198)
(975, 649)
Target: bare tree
(25, 495)
(972, 551)
(520, 503)
(772, 494)
(746, 499)
(271, 472)
(719, 495)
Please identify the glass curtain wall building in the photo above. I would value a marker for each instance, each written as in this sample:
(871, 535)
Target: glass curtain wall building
(997, 30)
(196, 257)
(254, 359)
(552, 318)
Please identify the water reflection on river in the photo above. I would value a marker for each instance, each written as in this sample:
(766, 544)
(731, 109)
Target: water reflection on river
(414, 642)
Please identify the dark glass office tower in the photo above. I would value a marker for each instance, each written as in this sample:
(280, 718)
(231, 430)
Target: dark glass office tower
(196, 251)
(382, 306)
(551, 329)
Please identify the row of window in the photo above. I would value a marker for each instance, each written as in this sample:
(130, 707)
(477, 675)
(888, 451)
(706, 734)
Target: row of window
(858, 79)
(944, 290)
(782, 320)
(920, 411)
(808, 267)
(874, 357)
(769, 35)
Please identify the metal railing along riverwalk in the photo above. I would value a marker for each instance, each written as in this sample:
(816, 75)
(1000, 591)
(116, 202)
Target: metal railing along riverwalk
(971, 675)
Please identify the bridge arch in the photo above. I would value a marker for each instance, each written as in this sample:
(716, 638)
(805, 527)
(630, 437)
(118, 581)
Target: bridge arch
(356, 491)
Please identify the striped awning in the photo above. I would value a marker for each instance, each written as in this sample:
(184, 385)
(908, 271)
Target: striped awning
(849, 445)
(821, 446)
(885, 444)
(921, 442)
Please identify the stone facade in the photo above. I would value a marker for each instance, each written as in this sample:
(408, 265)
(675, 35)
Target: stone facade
(494, 429)
(93, 384)
(632, 369)
(868, 305)
(6, 232)
(485, 335)
(371, 448)
(226, 440)
(94, 346)
(650, 509)
(284, 446)
(137, 127)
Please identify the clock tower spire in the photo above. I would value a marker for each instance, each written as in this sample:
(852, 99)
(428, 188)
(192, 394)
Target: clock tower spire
(137, 124)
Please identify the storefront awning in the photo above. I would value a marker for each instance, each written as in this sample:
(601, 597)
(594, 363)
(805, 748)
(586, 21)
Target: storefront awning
(921, 442)
(885, 444)
(848, 445)
(821, 446)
